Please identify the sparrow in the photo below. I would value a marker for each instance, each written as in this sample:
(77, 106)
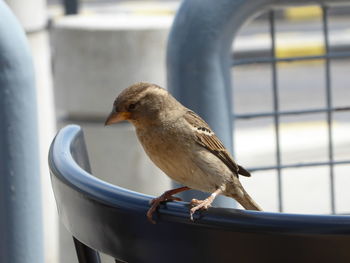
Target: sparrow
(182, 145)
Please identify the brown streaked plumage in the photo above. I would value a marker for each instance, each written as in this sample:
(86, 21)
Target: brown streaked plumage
(210, 141)
(181, 144)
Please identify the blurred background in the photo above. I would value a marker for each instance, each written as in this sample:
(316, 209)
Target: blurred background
(86, 52)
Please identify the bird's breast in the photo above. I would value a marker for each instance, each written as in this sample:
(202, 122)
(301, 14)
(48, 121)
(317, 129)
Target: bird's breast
(179, 157)
(169, 152)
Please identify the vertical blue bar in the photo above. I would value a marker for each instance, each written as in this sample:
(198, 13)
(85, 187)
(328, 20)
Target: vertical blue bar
(20, 198)
(276, 118)
(329, 106)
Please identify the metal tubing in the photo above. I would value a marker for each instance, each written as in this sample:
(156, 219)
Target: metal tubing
(297, 165)
(20, 199)
(198, 62)
(263, 60)
(289, 113)
(329, 106)
(276, 119)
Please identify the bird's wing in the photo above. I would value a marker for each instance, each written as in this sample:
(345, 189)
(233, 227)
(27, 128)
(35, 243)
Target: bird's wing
(207, 139)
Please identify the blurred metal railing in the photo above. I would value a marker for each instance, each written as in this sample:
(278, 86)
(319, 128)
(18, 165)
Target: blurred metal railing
(276, 113)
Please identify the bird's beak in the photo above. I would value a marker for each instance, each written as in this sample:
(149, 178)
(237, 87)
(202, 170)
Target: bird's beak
(115, 117)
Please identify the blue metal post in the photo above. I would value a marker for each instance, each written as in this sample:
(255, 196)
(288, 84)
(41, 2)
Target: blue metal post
(199, 61)
(199, 57)
(20, 199)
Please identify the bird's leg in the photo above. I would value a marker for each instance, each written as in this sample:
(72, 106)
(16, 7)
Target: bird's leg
(166, 196)
(203, 204)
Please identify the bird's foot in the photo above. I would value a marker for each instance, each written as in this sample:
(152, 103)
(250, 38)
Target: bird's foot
(165, 197)
(199, 205)
(203, 204)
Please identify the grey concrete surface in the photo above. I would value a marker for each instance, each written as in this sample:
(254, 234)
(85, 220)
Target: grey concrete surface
(105, 54)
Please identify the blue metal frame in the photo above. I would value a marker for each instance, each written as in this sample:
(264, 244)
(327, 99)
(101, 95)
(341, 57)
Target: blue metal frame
(21, 226)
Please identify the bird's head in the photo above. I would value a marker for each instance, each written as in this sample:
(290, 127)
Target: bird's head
(141, 102)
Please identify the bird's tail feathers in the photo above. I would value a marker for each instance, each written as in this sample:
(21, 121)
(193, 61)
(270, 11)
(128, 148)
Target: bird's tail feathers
(245, 200)
(248, 203)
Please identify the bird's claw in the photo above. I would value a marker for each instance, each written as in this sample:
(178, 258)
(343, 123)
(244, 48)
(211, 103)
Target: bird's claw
(156, 202)
(195, 202)
(150, 214)
(198, 205)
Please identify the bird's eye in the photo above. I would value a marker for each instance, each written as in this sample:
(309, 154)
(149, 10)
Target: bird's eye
(131, 106)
